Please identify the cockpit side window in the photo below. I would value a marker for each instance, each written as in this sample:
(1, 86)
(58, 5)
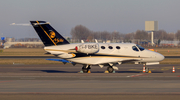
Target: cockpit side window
(135, 48)
(140, 48)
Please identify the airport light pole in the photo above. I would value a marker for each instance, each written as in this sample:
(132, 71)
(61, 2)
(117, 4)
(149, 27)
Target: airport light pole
(152, 38)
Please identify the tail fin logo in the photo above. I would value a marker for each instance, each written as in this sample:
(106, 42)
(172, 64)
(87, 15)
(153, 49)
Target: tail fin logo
(52, 35)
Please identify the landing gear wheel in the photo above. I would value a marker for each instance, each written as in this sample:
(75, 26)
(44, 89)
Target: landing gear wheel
(146, 69)
(110, 69)
(85, 70)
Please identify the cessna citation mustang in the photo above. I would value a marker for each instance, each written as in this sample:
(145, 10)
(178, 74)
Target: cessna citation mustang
(88, 54)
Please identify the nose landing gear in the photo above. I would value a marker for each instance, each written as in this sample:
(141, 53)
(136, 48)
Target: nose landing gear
(145, 69)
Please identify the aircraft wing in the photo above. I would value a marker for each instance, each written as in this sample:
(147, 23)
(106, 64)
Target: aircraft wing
(122, 61)
(119, 62)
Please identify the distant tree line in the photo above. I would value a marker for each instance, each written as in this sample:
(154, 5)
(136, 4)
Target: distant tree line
(81, 32)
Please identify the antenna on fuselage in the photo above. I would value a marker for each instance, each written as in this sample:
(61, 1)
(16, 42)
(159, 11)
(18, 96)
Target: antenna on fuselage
(96, 40)
(82, 41)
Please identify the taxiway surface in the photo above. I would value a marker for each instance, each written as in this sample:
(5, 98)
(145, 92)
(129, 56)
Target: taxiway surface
(56, 80)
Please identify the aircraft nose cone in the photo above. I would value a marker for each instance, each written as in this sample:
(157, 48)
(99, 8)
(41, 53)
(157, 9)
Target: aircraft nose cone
(160, 57)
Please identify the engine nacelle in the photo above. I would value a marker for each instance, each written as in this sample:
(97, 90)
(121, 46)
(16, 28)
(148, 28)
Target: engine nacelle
(88, 48)
(66, 55)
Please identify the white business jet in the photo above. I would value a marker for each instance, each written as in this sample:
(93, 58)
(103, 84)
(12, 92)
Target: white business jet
(89, 54)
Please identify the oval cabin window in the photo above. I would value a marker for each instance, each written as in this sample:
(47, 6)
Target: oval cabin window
(110, 47)
(102, 47)
(117, 47)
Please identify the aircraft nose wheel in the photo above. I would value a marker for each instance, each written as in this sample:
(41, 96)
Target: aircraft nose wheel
(146, 69)
(110, 69)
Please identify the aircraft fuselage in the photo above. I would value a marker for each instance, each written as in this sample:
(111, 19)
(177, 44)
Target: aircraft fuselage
(106, 52)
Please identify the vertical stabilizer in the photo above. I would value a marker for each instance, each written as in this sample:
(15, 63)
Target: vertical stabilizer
(48, 34)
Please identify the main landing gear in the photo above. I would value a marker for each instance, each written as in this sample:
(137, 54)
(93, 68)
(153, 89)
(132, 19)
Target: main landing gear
(86, 68)
(110, 69)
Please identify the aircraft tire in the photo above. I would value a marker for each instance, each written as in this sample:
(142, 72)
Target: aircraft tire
(110, 69)
(146, 69)
(85, 70)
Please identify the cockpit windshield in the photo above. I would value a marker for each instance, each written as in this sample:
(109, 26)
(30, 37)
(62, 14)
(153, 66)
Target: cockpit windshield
(140, 48)
(135, 48)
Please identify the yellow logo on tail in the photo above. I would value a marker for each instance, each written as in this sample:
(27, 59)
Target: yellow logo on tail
(52, 35)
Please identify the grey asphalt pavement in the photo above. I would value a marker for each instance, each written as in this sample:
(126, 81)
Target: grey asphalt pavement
(64, 82)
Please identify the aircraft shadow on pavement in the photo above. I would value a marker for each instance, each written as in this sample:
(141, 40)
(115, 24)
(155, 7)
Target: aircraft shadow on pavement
(128, 71)
(53, 71)
(58, 71)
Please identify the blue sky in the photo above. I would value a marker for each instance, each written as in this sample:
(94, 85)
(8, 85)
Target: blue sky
(124, 16)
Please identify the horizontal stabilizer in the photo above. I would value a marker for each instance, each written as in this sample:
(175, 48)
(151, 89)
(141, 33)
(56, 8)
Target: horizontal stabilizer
(41, 23)
(61, 60)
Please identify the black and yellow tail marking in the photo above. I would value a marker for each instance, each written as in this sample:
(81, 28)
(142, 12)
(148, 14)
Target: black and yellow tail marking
(48, 34)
